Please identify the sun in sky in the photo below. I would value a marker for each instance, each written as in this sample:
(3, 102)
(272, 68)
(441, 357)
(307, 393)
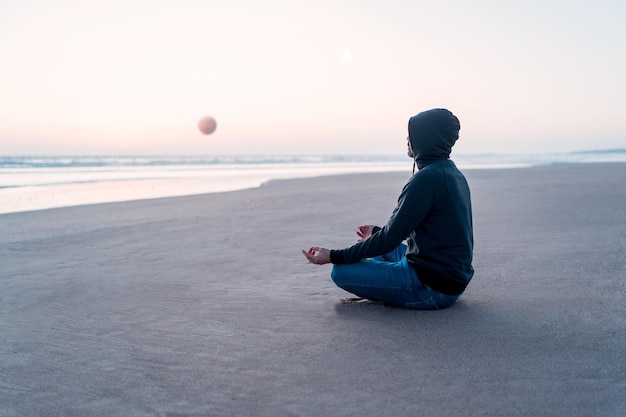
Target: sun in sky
(346, 56)
(307, 77)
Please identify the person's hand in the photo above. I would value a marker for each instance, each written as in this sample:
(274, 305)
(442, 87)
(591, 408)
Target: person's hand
(317, 255)
(364, 232)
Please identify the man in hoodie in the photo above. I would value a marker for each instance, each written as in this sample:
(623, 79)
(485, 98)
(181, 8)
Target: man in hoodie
(433, 215)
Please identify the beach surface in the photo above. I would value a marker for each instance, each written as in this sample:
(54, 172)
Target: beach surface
(204, 306)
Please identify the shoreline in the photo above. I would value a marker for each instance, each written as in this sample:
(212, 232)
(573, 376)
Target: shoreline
(168, 183)
(26, 199)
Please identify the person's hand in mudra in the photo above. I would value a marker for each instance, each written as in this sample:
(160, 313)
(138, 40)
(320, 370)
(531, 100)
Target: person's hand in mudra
(317, 255)
(364, 232)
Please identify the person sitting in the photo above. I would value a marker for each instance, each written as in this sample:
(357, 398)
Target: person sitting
(433, 216)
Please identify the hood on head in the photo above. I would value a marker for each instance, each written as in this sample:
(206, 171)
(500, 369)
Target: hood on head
(432, 134)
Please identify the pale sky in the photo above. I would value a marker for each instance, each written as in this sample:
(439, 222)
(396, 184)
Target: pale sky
(308, 77)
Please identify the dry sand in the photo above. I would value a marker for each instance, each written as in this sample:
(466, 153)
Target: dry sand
(204, 306)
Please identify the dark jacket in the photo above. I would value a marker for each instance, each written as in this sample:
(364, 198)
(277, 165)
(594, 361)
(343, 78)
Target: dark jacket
(433, 214)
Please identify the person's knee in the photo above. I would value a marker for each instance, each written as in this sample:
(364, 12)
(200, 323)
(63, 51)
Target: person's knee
(334, 273)
(337, 275)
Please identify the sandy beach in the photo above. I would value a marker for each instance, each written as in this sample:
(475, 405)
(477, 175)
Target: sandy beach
(204, 306)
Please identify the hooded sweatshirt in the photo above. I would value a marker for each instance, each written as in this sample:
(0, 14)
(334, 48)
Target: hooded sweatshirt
(433, 214)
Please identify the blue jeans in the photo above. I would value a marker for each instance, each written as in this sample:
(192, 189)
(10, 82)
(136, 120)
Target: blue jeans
(391, 280)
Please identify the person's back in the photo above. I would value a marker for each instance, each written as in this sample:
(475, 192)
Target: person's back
(440, 248)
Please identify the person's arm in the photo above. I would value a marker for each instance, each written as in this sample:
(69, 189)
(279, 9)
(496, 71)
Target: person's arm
(414, 202)
(321, 256)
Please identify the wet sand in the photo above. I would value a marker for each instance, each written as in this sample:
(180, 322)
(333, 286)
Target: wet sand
(204, 305)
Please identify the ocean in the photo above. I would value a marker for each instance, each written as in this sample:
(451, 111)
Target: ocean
(41, 182)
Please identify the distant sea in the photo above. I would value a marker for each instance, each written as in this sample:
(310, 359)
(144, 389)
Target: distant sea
(38, 182)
